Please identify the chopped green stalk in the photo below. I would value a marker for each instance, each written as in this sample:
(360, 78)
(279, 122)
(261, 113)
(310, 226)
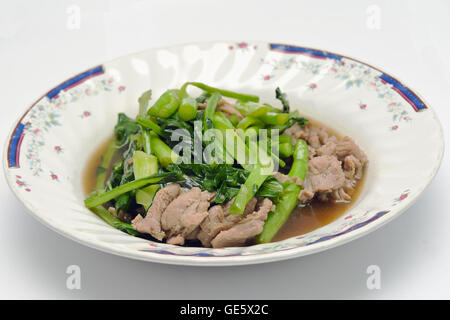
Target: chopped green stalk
(188, 109)
(233, 144)
(282, 138)
(225, 93)
(221, 122)
(234, 119)
(166, 105)
(258, 175)
(248, 190)
(249, 121)
(97, 199)
(271, 153)
(162, 151)
(145, 165)
(286, 150)
(105, 164)
(288, 200)
(300, 164)
(275, 118)
(149, 124)
(146, 141)
(210, 110)
(253, 109)
(143, 102)
(106, 216)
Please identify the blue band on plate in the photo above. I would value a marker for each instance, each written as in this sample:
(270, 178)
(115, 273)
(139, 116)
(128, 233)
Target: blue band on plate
(14, 146)
(407, 94)
(310, 52)
(75, 80)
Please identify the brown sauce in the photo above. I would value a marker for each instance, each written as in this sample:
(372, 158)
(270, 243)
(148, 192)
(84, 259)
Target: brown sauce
(318, 214)
(90, 169)
(301, 221)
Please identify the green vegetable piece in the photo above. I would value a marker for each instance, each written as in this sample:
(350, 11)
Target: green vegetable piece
(286, 150)
(288, 199)
(145, 165)
(225, 93)
(125, 128)
(210, 110)
(282, 138)
(95, 199)
(162, 151)
(248, 190)
(221, 122)
(149, 124)
(166, 105)
(274, 118)
(188, 109)
(234, 119)
(106, 216)
(249, 121)
(283, 98)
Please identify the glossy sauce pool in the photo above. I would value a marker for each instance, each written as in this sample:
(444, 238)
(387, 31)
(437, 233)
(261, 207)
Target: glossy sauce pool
(301, 221)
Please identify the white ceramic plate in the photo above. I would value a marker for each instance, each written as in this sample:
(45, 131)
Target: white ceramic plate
(49, 145)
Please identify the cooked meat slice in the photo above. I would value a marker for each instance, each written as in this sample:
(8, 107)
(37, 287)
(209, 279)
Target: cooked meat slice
(297, 131)
(324, 174)
(346, 147)
(328, 149)
(250, 226)
(151, 224)
(184, 214)
(353, 168)
(314, 138)
(283, 178)
(220, 219)
(229, 109)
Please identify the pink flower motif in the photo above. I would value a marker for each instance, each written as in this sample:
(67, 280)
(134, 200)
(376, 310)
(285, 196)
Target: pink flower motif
(230, 47)
(403, 196)
(19, 177)
(242, 45)
(121, 88)
(85, 114)
(363, 106)
(27, 189)
(255, 47)
(20, 183)
(394, 128)
(53, 176)
(313, 86)
(333, 69)
(58, 149)
(266, 77)
(36, 131)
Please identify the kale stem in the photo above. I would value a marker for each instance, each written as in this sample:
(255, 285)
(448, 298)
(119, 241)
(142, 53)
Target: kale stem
(97, 199)
(225, 93)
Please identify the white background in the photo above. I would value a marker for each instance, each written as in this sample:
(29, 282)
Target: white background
(38, 51)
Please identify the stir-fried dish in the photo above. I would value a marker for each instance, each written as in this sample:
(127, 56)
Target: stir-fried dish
(219, 168)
